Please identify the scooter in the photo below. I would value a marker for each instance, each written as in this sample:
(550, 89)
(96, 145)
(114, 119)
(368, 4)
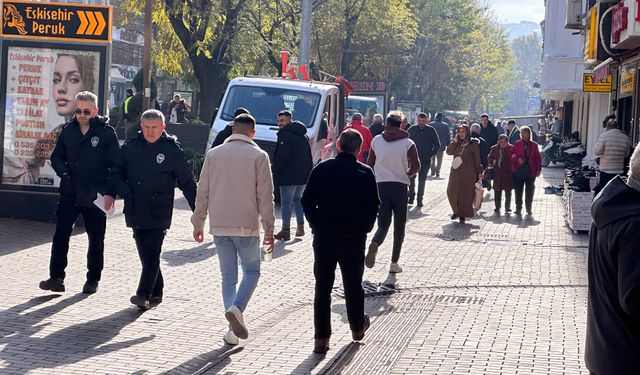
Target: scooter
(570, 154)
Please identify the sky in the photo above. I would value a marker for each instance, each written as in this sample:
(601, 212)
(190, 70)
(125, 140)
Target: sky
(514, 11)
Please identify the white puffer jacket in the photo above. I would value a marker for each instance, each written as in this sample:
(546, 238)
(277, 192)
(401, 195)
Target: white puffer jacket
(612, 148)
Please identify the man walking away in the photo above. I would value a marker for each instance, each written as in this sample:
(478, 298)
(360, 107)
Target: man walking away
(292, 163)
(341, 203)
(394, 159)
(613, 309)
(238, 169)
(612, 148)
(85, 152)
(356, 123)
(444, 136)
(377, 127)
(488, 131)
(145, 176)
(427, 144)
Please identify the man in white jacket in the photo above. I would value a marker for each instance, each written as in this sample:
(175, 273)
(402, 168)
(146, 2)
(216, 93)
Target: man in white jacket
(237, 192)
(613, 148)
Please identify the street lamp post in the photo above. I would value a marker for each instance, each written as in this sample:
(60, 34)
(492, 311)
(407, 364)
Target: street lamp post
(146, 63)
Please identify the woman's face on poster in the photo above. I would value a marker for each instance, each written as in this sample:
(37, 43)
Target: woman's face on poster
(67, 82)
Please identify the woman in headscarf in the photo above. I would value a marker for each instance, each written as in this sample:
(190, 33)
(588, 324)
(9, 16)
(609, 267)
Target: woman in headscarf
(466, 169)
(502, 175)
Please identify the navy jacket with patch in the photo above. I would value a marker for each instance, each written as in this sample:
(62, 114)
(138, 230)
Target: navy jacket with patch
(145, 176)
(83, 161)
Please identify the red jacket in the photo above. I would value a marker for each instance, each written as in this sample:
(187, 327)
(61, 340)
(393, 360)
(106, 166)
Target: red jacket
(533, 158)
(366, 139)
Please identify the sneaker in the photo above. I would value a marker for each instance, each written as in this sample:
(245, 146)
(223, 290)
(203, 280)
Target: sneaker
(395, 268)
(53, 284)
(90, 287)
(234, 316)
(230, 338)
(283, 235)
(359, 335)
(321, 346)
(370, 259)
(142, 303)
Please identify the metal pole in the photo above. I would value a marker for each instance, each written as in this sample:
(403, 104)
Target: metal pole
(146, 64)
(305, 32)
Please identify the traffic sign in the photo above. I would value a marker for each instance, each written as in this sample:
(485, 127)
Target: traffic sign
(56, 21)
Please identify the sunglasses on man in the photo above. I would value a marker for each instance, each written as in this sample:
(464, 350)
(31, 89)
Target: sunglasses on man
(86, 112)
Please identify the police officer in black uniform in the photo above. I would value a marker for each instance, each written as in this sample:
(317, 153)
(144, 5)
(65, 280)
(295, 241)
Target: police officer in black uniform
(86, 150)
(145, 177)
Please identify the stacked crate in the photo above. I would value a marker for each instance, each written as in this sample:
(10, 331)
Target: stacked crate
(577, 209)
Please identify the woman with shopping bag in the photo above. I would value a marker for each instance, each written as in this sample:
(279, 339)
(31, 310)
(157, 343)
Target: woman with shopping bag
(466, 170)
(501, 173)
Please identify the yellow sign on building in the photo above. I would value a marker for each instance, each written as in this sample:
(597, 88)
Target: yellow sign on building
(627, 81)
(589, 86)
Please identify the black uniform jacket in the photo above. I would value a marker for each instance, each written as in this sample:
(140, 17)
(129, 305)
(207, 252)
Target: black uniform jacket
(613, 310)
(341, 202)
(146, 175)
(83, 162)
(292, 160)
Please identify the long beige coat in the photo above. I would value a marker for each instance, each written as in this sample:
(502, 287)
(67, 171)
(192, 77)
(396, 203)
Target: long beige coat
(461, 188)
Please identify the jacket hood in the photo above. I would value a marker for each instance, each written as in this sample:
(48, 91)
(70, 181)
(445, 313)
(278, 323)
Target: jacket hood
(616, 201)
(391, 134)
(356, 123)
(295, 127)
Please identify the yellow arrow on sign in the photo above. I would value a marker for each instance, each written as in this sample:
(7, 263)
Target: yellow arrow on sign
(91, 23)
(83, 22)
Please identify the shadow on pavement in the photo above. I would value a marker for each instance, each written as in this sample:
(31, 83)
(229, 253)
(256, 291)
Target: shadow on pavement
(340, 361)
(207, 362)
(456, 231)
(415, 213)
(177, 258)
(66, 346)
(18, 235)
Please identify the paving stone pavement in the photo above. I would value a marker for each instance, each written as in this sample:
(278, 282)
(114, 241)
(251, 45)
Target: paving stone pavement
(499, 295)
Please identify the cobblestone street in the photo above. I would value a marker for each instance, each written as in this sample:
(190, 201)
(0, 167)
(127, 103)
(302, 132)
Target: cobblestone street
(499, 295)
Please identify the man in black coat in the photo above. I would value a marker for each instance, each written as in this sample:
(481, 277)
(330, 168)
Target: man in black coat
(341, 203)
(613, 310)
(292, 164)
(377, 127)
(145, 177)
(228, 130)
(86, 150)
(489, 131)
(427, 143)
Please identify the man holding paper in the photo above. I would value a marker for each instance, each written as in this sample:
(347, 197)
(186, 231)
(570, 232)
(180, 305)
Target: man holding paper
(85, 151)
(145, 176)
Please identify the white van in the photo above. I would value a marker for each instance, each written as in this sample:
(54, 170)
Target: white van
(318, 105)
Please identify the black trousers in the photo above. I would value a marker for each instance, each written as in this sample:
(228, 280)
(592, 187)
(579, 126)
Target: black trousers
(528, 187)
(497, 197)
(422, 180)
(603, 181)
(149, 244)
(95, 222)
(393, 202)
(351, 261)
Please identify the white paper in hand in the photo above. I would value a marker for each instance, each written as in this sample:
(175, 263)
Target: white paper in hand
(99, 202)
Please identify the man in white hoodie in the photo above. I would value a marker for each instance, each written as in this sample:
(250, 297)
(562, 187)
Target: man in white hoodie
(237, 191)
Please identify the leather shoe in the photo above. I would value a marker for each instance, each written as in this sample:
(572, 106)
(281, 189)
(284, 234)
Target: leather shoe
(359, 335)
(321, 346)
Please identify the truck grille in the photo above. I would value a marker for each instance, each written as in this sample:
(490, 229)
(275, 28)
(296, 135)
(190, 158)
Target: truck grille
(268, 146)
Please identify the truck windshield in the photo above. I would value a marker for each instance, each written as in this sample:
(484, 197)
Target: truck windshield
(264, 103)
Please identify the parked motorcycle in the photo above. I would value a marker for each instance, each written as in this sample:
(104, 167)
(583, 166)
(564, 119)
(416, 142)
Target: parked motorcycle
(569, 153)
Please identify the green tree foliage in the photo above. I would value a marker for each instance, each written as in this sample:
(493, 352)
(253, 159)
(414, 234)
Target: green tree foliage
(527, 51)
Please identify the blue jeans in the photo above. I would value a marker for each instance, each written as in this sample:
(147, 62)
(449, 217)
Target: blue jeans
(290, 198)
(229, 248)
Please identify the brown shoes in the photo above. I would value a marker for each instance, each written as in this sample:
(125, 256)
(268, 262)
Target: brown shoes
(300, 230)
(283, 235)
(359, 335)
(321, 346)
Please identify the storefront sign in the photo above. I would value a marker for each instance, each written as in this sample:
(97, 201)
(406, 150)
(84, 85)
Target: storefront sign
(627, 81)
(40, 85)
(625, 25)
(56, 21)
(589, 84)
(369, 86)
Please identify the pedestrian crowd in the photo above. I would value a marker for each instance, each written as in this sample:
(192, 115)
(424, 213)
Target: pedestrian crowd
(372, 178)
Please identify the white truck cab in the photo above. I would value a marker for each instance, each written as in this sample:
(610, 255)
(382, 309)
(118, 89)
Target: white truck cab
(318, 105)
